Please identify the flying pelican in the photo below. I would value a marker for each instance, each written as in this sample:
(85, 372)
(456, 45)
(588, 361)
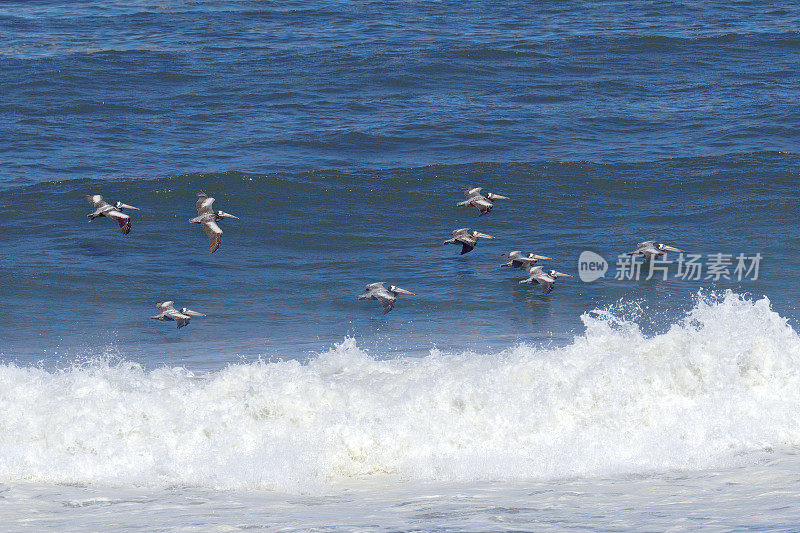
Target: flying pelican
(114, 212)
(517, 260)
(168, 312)
(467, 238)
(484, 204)
(207, 217)
(387, 297)
(650, 250)
(545, 278)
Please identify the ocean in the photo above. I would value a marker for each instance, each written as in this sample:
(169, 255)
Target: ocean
(634, 396)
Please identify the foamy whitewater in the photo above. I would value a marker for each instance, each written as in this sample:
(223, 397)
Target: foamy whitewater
(715, 387)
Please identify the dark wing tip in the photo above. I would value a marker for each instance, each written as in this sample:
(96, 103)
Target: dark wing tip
(466, 248)
(213, 243)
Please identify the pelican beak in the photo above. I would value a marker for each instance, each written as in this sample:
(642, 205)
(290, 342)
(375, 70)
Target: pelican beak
(483, 235)
(224, 214)
(403, 291)
(193, 313)
(500, 197)
(540, 257)
(126, 206)
(559, 274)
(672, 249)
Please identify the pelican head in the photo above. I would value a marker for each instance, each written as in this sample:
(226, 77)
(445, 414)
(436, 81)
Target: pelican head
(223, 214)
(492, 197)
(555, 274)
(121, 206)
(189, 312)
(667, 248)
(394, 289)
(481, 235)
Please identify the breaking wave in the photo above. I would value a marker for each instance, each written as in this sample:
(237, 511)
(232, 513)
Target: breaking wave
(716, 385)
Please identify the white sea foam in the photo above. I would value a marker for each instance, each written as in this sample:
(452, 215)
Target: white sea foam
(720, 383)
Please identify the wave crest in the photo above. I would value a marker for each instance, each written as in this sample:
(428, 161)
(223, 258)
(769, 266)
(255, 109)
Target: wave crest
(717, 384)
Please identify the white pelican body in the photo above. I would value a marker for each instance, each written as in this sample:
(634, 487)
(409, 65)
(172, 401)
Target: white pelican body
(545, 278)
(483, 204)
(517, 260)
(168, 312)
(467, 238)
(387, 297)
(114, 212)
(207, 217)
(651, 250)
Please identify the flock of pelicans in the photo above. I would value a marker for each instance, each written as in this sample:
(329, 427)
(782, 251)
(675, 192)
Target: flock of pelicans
(467, 238)
(206, 217)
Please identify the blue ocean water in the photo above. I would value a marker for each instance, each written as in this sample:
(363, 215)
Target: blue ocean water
(285, 280)
(342, 136)
(112, 90)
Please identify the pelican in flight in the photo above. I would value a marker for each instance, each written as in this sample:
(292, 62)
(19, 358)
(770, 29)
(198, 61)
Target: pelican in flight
(650, 250)
(114, 212)
(517, 260)
(545, 278)
(387, 297)
(207, 217)
(168, 312)
(466, 238)
(484, 204)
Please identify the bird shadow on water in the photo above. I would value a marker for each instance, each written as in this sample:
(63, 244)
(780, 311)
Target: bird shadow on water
(466, 269)
(199, 263)
(532, 294)
(94, 248)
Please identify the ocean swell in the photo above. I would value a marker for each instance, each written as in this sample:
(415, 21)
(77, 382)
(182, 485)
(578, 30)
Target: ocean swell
(718, 384)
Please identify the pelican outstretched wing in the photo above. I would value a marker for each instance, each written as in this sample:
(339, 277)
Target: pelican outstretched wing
(467, 239)
(122, 219)
(385, 297)
(545, 280)
(547, 286)
(204, 203)
(164, 306)
(483, 205)
(96, 200)
(214, 233)
(387, 301)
